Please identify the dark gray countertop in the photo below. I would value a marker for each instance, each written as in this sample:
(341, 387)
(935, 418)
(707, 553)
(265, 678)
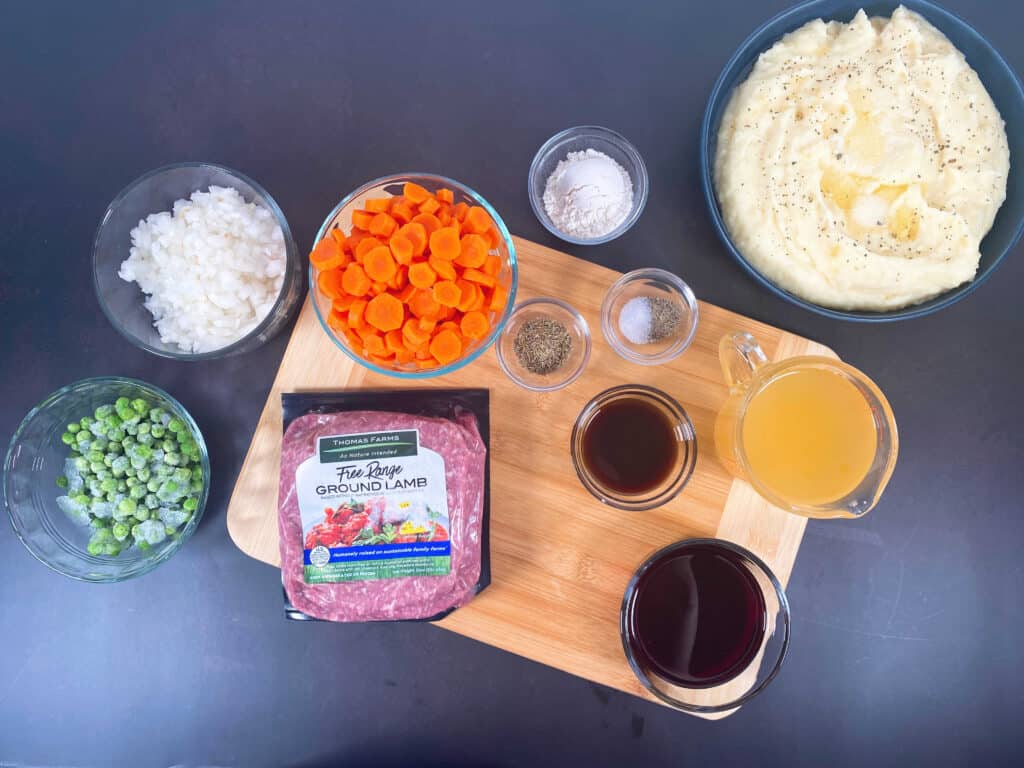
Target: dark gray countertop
(906, 641)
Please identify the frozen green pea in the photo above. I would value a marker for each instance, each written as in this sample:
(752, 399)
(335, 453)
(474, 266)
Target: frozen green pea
(98, 522)
(121, 531)
(73, 427)
(127, 506)
(116, 435)
(144, 474)
(68, 438)
(197, 485)
(138, 492)
(153, 485)
(142, 544)
(62, 482)
(132, 430)
(108, 485)
(140, 406)
(97, 466)
(175, 424)
(81, 464)
(84, 422)
(122, 402)
(131, 482)
(190, 504)
(102, 412)
(94, 455)
(141, 514)
(157, 431)
(82, 436)
(151, 501)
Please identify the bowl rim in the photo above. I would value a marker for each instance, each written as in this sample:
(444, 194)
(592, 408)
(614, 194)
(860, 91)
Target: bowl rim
(639, 198)
(148, 564)
(613, 337)
(513, 263)
(291, 257)
(718, 94)
(587, 348)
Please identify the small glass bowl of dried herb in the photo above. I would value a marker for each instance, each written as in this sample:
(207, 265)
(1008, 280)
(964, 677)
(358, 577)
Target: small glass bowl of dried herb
(649, 316)
(545, 345)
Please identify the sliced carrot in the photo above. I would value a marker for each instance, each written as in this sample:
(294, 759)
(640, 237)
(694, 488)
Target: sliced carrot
(398, 282)
(445, 196)
(427, 324)
(444, 269)
(421, 275)
(342, 303)
(444, 215)
(468, 291)
(423, 304)
(447, 313)
(355, 314)
(401, 248)
(338, 320)
(378, 205)
(327, 254)
(402, 210)
(362, 219)
(404, 356)
(355, 281)
(393, 340)
(385, 312)
(407, 293)
(474, 251)
(331, 283)
(339, 237)
(416, 232)
(492, 265)
(460, 210)
(429, 205)
(444, 243)
(477, 220)
(415, 193)
(481, 300)
(380, 264)
(476, 276)
(428, 221)
(353, 340)
(384, 362)
(448, 325)
(383, 225)
(366, 245)
(446, 347)
(375, 344)
(412, 332)
(426, 364)
(474, 325)
(499, 298)
(352, 241)
(446, 293)
(493, 237)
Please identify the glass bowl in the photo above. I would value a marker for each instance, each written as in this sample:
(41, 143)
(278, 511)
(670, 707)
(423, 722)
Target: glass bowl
(999, 80)
(740, 688)
(385, 186)
(156, 191)
(578, 139)
(574, 364)
(675, 479)
(35, 459)
(649, 283)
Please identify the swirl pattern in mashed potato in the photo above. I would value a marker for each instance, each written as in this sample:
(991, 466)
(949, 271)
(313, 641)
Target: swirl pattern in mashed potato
(860, 164)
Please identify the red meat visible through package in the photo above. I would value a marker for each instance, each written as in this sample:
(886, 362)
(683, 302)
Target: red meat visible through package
(412, 597)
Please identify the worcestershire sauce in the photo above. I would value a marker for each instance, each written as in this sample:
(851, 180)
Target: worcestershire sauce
(697, 616)
(630, 446)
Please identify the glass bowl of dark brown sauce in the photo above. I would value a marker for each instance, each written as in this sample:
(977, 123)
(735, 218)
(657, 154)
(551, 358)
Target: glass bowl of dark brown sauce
(705, 625)
(634, 447)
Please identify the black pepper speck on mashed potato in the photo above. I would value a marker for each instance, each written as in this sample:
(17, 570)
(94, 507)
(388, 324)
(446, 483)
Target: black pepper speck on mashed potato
(860, 164)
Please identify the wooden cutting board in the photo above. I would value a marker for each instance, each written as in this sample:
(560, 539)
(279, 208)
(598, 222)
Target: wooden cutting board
(560, 559)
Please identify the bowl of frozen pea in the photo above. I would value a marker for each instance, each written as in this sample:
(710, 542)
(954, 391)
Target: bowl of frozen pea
(106, 478)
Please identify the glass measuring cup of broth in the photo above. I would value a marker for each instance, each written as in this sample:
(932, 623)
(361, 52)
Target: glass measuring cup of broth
(704, 625)
(812, 435)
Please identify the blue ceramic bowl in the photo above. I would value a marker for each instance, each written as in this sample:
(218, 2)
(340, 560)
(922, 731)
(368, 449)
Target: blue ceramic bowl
(999, 79)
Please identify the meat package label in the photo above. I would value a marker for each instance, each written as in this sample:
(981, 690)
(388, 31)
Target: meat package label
(374, 506)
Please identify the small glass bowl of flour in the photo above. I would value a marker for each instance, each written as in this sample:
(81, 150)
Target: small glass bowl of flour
(649, 316)
(588, 185)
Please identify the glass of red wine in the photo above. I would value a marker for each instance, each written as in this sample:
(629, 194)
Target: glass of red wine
(705, 625)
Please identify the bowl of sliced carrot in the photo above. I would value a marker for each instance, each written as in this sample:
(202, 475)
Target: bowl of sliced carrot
(413, 275)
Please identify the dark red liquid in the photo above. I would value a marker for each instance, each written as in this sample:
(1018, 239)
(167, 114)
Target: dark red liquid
(697, 616)
(630, 446)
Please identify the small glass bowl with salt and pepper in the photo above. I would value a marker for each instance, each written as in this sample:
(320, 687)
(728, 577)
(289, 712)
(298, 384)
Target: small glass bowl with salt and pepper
(587, 185)
(649, 316)
(545, 345)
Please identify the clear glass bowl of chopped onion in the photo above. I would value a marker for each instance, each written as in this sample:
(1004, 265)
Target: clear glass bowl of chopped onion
(195, 261)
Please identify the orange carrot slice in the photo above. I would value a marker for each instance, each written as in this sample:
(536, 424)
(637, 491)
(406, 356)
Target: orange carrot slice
(492, 265)
(477, 221)
(355, 281)
(429, 205)
(415, 193)
(446, 347)
(447, 293)
(476, 276)
(362, 219)
(423, 304)
(421, 275)
(380, 264)
(499, 298)
(327, 254)
(474, 251)
(383, 225)
(331, 283)
(475, 325)
(428, 221)
(445, 196)
(385, 312)
(412, 332)
(416, 232)
(444, 243)
(443, 268)
(355, 314)
(378, 205)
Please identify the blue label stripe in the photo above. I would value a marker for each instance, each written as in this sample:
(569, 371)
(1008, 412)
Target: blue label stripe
(386, 551)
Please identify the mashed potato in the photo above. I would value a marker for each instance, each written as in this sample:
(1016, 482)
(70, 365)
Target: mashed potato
(860, 164)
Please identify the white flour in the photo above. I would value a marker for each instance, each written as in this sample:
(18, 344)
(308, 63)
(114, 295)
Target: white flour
(588, 195)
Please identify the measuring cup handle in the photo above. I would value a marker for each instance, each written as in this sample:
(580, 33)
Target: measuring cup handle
(740, 355)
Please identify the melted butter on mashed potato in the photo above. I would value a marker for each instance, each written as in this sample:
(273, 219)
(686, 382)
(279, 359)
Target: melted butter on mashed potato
(860, 164)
